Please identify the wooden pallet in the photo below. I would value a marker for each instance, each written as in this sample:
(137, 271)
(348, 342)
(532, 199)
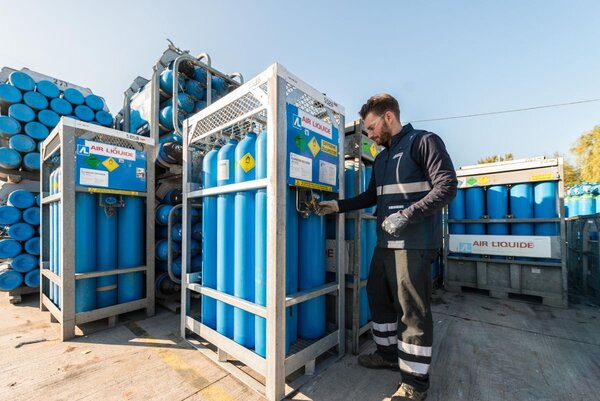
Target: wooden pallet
(554, 300)
(14, 296)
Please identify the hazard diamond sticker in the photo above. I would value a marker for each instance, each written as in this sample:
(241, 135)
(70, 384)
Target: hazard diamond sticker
(247, 162)
(373, 150)
(92, 161)
(110, 164)
(314, 147)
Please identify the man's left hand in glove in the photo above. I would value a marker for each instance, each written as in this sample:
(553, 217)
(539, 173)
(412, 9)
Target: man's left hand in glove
(394, 224)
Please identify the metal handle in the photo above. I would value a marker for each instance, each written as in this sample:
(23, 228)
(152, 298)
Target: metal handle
(237, 75)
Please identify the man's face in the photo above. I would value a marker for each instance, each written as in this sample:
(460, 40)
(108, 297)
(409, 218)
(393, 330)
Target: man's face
(377, 128)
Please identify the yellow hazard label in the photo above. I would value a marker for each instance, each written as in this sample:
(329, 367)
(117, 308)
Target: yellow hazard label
(314, 147)
(542, 177)
(373, 150)
(112, 191)
(328, 147)
(306, 184)
(110, 164)
(483, 180)
(247, 162)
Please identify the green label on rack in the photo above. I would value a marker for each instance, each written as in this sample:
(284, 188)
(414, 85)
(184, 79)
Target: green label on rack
(472, 181)
(92, 161)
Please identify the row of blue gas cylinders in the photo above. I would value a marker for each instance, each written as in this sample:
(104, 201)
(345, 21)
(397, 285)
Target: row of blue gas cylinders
(33, 110)
(109, 234)
(20, 220)
(234, 249)
(518, 201)
(582, 199)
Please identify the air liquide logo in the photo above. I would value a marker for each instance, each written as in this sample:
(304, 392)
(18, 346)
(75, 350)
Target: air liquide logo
(465, 247)
(83, 150)
(297, 121)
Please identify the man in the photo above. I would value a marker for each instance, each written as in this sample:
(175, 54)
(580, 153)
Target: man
(413, 179)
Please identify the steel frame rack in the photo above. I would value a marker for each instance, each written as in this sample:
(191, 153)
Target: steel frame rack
(61, 141)
(510, 276)
(358, 146)
(261, 104)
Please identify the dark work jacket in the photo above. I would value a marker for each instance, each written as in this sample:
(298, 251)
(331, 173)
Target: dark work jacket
(414, 175)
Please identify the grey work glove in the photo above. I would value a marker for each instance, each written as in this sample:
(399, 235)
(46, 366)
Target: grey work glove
(394, 224)
(327, 207)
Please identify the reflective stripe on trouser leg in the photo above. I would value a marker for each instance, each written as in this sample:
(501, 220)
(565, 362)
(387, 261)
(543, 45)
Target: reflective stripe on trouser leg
(412, 281)
(383, 310)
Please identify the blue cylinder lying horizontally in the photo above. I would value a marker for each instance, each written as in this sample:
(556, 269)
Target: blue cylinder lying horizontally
(225, 236)
(177, 232)
(61, 107)
(22, 143)
(48, 89)
(21, 231)
(22, 81)
(166, 118)
(94, 102)
(162, 214)
(311, 274)
(131, 248)
(32, 246)
(260, 246)
(197, 232)
(166, 83)
(199, 105)
(175, 196)
(21, 199)
(32, 278)
(32, 216)
(171, 137)
(104, 118)
(244, 271)
(31, 161)
(106, 258)
(21, 112)
(73, 96)
(164, 286)
(36, 130)
(456, 211)
(24, 263)
(10, 159)
(497, 208)
(475, 209)
(84, 113)
(521, 207)
(10, 279)
(85, 250)
(9, 215)
(49, 118)
(186, 103)
(209, 233)
(162, 249)
(35, 100)
(9, 94)
(9, 126)
(195, 90)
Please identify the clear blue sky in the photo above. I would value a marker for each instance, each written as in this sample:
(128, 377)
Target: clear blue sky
(439, 58)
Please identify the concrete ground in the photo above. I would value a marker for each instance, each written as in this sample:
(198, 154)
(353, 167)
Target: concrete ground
(484, 349)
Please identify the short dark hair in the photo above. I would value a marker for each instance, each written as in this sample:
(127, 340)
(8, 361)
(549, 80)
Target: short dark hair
(380, 104)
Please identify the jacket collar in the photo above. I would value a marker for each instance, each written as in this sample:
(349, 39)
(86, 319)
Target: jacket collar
(405, 130)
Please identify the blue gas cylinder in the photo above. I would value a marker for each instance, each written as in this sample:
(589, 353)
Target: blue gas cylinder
(199, 105)
(521, 207)
(32, 278)
(37, 131)
(260, 248)
(9, 94)
(35, 100)
(48, 89)
(162, 214)
(9, 126)
(131, 248)
(22, 143)
(61, 106)
(21, 112)
(49, 118)
(185, 104)
(84, 113)
(94, 102)
(21, 199)
(200, 74)
(73, 96)
(104, 118)
(31, 215)
(171, 137)
(21, 231)
(9, 215)
(10, 159)
(244, 270)
(85, 250)
(31, 161)
(225, 236)
(209, 233)
(475, 209)
(194, 89)
(166, 83)
(24, 263)
(456, 211)
(497, 208)
(9, 248)
(32, 246)
(10, 279)
(22, 81)
(545, 197)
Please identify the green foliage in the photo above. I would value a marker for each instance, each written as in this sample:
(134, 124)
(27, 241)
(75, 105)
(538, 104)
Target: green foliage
(496, 158)
(587, 152)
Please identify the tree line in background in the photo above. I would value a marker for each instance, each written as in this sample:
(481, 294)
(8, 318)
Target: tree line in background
(587, 159)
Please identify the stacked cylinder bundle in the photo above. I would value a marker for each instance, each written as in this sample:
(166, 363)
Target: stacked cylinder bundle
(582, 199)
(30, 109)
(20, 242)
(234, 260)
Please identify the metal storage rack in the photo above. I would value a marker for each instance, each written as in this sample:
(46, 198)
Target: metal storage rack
(584, 254)
(361, 148)
(172, 178)
(511, 278)
(62, 142)
(261, 103)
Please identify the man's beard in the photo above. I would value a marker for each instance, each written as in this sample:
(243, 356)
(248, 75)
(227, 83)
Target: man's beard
(386, 134)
